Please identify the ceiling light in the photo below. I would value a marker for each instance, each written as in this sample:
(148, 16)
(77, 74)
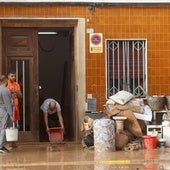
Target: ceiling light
(47, 33)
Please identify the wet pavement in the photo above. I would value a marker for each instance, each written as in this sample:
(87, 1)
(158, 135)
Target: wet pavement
(71, 156)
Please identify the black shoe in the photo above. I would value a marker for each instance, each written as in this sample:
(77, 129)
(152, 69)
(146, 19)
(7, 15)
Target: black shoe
(4, 150)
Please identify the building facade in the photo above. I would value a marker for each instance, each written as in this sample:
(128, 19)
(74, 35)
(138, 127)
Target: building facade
(80, 71)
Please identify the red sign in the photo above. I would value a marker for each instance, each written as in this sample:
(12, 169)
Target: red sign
(96, 43)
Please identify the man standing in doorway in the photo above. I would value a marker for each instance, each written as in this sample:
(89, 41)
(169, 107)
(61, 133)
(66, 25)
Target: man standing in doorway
(6, 112)
(14, 89)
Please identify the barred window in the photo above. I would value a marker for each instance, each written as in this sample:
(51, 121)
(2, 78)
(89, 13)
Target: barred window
(126, 66)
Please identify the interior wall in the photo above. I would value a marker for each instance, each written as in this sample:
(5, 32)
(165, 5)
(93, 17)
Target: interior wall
(54, 73)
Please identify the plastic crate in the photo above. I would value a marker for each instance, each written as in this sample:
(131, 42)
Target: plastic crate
(55, 134)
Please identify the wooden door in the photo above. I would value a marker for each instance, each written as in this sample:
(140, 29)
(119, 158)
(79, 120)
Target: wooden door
(20, 54)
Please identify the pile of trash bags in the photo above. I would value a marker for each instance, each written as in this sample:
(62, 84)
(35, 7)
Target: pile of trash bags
(121, 104)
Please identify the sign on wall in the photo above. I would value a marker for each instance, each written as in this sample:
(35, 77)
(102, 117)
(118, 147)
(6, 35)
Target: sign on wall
(96, 43)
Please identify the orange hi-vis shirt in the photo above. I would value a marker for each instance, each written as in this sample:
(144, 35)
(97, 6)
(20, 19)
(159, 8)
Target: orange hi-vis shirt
(16, 86)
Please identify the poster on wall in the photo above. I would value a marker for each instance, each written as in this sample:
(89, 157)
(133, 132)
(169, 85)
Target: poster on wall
(96, 43)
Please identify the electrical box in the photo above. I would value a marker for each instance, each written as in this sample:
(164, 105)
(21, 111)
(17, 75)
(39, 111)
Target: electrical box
(157, 128)
(91, 104)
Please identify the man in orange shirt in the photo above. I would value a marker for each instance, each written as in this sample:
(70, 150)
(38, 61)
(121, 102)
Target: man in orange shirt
(15, 90)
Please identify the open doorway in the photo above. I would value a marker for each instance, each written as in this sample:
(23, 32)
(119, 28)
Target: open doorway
(20, 43)
(56, 74)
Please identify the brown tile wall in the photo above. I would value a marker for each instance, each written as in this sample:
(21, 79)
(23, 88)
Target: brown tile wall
(130, 21)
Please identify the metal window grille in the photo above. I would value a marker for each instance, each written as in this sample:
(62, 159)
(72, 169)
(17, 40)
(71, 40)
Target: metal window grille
(126, 67)
(22, 77)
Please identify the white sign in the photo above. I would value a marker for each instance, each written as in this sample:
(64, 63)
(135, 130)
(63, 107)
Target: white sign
(91, 1)
(96, 43)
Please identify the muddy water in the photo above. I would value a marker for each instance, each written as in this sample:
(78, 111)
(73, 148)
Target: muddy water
(70, 156)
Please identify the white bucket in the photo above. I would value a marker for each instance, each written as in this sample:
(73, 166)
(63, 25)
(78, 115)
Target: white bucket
(11, 134)
(166, 135)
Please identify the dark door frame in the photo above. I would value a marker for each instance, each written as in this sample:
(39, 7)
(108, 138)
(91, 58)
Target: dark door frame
(78, 84)
(19, 45)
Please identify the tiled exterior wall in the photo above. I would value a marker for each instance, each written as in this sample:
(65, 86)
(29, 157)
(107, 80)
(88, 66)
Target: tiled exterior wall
(151, 22)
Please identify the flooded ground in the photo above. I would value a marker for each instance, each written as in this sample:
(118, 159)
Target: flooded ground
(71, 156)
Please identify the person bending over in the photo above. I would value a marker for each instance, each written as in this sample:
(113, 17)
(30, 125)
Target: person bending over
(52, 114)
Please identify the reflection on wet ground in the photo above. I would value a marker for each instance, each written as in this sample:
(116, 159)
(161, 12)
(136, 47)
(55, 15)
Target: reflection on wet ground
(70, 156)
